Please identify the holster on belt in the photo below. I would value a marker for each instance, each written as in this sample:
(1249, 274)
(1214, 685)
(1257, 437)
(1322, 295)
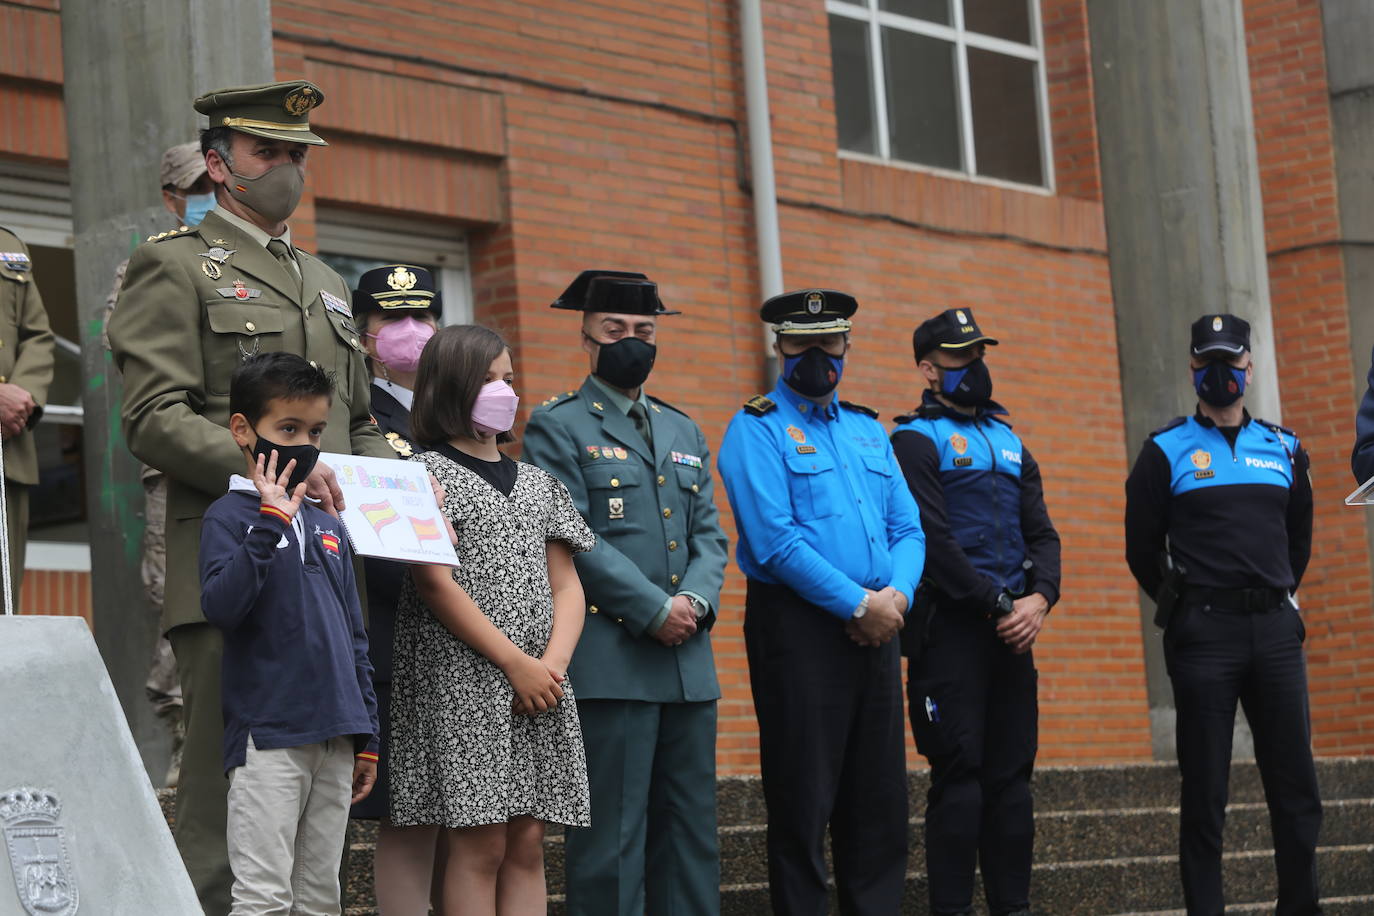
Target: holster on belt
(916, 631)
(1171, 589)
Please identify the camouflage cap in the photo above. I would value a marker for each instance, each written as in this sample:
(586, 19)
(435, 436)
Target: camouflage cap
(182, 166)
(278, 111)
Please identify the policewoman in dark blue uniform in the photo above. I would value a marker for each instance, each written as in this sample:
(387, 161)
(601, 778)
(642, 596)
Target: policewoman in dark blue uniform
(992, 575)
(831, 543)
(397, 309)
(1219, 512)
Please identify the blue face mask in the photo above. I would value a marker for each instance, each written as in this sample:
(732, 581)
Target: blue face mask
(812, 373)
(1219, 384)
(197, 205)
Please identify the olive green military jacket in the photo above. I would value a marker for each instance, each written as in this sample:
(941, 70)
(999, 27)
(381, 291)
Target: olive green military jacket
(194, 304)
(657, 534)
(26, 349)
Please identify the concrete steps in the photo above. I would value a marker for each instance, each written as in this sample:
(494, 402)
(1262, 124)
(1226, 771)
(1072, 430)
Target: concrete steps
(1105, 844)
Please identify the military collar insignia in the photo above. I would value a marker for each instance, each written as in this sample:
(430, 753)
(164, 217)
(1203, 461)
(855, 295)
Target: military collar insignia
(597, 405)
(335, 304)
(238, 290)
(16, 261)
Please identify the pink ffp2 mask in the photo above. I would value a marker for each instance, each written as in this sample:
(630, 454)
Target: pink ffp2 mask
(494, 410)
(400, 342)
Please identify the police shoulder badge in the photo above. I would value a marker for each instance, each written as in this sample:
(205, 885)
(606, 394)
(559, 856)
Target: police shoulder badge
(37, 847)
(1202, 459)
(958, 443)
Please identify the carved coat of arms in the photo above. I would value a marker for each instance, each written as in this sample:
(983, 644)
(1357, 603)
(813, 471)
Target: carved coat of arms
(37, 847)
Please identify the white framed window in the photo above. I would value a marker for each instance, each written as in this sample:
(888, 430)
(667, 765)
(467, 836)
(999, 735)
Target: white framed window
(353, 241)
(956, 86)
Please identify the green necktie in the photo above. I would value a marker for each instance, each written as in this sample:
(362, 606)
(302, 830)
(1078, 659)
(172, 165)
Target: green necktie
(279, 250)
(640, 417)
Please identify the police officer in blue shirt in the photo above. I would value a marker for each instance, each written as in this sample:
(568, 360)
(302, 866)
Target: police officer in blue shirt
(831, 543)
(1219, 530)
(991, 578)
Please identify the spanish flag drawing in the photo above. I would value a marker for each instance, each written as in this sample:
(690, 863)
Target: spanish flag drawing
(425, 530)
(379, 515)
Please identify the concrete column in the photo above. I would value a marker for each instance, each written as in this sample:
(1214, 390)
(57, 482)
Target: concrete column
(1180, 188)
(1349, 30)
(131, 70)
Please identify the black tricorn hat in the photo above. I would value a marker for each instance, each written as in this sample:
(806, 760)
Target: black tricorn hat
(396, 287)
(612, 291)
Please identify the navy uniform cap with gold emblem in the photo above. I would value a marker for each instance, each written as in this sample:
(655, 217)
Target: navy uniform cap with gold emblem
(277, 111)
(952, 329)
(397, 287)
(618, 291)
(1221, 333)
(810, 311)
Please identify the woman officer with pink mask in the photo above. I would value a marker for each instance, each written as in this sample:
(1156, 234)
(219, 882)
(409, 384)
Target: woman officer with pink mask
(397, 310)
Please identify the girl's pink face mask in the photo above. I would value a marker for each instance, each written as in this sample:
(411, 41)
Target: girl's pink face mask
(494, 410)
(400, 342)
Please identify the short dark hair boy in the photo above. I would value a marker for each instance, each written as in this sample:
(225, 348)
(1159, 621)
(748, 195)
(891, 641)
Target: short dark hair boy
(300, 717)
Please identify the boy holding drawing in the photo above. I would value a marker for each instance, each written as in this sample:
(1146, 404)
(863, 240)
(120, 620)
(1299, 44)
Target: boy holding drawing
(300, 718)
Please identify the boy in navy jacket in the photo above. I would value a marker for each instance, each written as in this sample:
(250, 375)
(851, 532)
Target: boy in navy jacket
(300, 718)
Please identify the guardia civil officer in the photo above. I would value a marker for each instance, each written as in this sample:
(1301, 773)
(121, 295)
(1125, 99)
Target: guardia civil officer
(639, 471)
(1219, 531)
(397, 309)
(195, 303)
(26, 367)
(992, 575)
(831, 543)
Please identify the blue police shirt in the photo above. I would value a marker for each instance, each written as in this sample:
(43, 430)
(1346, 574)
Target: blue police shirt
(820, 504)
(1235, 508)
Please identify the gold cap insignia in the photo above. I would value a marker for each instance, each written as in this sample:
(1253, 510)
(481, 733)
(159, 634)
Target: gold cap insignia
(300, 101)
(815, 301)
(401, 279)
(1216, 323)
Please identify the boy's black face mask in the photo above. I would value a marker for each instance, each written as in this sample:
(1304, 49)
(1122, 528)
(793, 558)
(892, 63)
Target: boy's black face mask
(304, 455)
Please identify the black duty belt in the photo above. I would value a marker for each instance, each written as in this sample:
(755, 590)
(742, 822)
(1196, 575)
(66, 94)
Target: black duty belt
(1249, 600)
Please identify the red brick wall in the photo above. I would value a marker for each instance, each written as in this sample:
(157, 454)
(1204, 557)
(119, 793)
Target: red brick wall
(1307, 288)
(561, 139)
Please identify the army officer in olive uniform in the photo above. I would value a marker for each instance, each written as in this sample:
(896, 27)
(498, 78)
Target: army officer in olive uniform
(26, 363)
(195, 303)
(640, 473)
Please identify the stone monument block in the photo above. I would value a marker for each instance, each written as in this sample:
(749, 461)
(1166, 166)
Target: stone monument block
(82, 831)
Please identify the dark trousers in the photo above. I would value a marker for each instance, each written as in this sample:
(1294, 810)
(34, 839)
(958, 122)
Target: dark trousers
(652, 845)
(974, 715)
(833, 753)
(203, 790)
(1216, 657)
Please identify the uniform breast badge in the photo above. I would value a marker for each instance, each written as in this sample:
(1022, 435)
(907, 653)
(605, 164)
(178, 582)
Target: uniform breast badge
(401, 446)
(214, 262)
(616, 505)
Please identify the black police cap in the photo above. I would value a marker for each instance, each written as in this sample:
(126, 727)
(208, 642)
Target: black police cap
(394, 288)
(952, 329)
(618, 291)
(810, 311)
(1221, 333)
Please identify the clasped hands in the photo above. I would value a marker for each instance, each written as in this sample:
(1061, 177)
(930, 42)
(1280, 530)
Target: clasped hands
(16, 406)
(537, 682)
(885, 616)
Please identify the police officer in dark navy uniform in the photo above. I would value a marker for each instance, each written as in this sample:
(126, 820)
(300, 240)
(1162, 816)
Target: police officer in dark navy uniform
(992, 575)
(397, 309)
(830, 540)
(1219, 531)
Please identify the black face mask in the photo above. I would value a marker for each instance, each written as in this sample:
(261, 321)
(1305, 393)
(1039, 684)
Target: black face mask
(626, 363)
(1219, 384)
(305, 456)
(970, 386)
(813, 373)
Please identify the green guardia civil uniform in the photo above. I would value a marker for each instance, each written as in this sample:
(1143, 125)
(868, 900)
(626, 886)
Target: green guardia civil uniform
(648, 710)
(26, 360)
(195, 303)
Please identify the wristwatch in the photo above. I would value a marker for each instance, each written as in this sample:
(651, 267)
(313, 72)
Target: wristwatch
(862, 609)
(698, 606)
(1004, 605)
